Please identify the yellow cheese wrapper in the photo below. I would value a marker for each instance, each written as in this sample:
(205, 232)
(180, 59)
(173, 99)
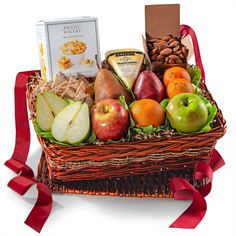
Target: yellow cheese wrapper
(126, 63)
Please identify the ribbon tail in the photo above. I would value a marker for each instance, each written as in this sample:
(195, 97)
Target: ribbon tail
(42, 208)
(193, 215)
(183, 190)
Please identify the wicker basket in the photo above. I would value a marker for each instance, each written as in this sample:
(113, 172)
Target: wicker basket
(137, 168)
(155, 185)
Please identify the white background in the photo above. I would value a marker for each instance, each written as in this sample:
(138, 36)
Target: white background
(121, 24)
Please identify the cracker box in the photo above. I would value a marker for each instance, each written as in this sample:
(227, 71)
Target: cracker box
(69, 46)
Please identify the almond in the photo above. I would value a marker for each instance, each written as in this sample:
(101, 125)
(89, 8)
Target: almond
(154, 51)
(160, 57)
(175, 57)
(178, 52)
(176, 48)
(166, 38)
(156, 44)
(174, 44)
(181, 56)
(166, 52)
(171, 40)
(162, 45)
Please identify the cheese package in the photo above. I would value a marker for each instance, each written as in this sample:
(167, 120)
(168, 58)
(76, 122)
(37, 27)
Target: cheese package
(126, 63)
(68, 46)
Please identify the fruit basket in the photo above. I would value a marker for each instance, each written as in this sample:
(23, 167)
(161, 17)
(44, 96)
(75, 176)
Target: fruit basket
(68, 168)
(157, 157)
(148, 130)
(118, 126)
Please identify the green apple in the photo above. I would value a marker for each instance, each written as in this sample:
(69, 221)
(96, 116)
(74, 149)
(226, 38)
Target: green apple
(187, 112)
(72, 124)
(48, 105)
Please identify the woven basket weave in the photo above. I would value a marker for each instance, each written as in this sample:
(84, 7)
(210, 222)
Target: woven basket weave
(83, 169)
(155, 185)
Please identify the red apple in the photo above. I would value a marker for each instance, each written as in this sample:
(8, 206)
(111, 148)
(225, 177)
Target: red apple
(148, 85)
(110, 120)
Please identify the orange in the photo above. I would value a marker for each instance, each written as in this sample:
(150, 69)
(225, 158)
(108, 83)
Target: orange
(147, 112)
(175, 73)
(178, 86)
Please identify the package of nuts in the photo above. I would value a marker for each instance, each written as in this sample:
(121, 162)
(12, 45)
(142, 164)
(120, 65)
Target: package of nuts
(162, 45)
(167, 50)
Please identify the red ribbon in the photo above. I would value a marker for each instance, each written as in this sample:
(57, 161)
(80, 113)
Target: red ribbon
(187, 30)
(25, 180)
(204, 170)
(183, 190)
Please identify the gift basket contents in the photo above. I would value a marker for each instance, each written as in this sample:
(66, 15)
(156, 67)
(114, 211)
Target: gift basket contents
(127, 125)
(137, 113)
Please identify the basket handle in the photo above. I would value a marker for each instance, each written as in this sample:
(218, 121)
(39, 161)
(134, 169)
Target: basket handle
(17, 162)
(187, 30)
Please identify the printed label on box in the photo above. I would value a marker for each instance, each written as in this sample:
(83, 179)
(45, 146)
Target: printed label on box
(68, 46)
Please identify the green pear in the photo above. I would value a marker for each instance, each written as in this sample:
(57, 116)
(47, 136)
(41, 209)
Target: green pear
(44, 114)
(72, 124)
(48, 105)
(69, 101)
